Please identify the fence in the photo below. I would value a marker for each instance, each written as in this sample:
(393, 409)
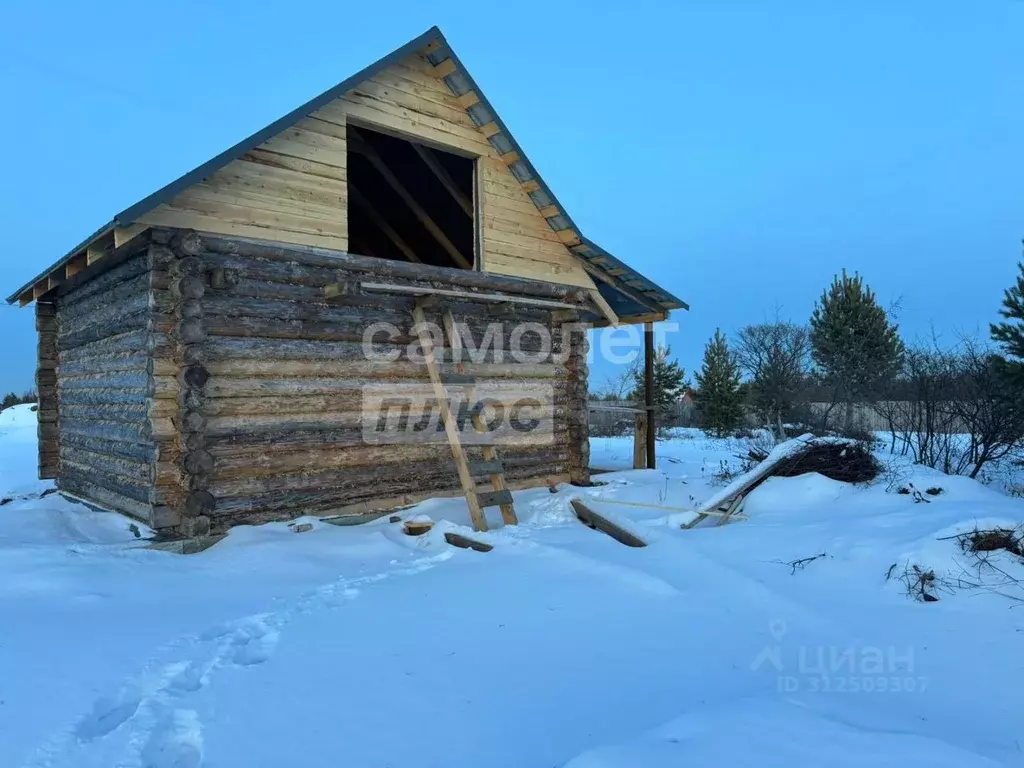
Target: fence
(901, 415)
(613, 417)
(610, 418)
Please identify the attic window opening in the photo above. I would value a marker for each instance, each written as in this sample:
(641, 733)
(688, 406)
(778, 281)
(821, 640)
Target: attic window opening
(408, 201)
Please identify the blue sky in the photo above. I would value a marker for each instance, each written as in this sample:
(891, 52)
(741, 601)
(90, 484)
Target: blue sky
(739, 153)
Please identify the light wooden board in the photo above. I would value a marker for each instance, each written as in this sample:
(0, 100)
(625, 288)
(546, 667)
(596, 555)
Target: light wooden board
(293, 189)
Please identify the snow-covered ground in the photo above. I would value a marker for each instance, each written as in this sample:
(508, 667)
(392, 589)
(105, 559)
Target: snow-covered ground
(561, 647)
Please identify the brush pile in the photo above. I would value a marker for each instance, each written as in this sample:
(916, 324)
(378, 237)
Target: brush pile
(848, 461)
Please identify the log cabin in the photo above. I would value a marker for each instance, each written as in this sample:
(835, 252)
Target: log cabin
(201, 357)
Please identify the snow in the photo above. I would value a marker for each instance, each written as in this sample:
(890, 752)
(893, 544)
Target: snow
(561, 647)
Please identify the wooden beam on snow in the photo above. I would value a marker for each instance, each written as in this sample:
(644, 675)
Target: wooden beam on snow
(601, 523)
(530, 186)
(428, 157)
(360, 200)
(382, 168)
(465, 542)
(548, 211)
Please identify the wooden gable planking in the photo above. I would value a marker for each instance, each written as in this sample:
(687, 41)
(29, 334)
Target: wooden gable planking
(292, 189)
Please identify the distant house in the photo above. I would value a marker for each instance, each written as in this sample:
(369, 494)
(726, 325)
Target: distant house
(199, 355)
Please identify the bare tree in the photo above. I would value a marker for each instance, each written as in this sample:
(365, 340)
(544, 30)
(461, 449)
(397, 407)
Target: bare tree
(953, 410)
(776, 356)
(988, 405)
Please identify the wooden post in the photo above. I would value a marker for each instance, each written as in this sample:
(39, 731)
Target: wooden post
(579, 415)
(640, 441)
(649, 390)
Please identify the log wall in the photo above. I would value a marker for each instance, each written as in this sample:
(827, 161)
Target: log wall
(95, 435)
(273, 429)
(201, 382)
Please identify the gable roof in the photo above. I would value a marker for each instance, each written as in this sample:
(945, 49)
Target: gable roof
(628, 285)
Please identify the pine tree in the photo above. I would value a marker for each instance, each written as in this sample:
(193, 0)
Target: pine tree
(669, 380)
(853, 344)
(718, 396)
(1011, 334)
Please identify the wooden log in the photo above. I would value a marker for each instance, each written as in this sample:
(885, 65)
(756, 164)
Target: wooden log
(601, 523)
(304, 494)
(190, 266)
(89, 282)
(640, 441)
(130, 413)
(317, 436)
(112, 396)
(106, 364)
(81, 488)
(75, 310)
(246, 377)
(121, 486)
(143, 453)
(196, 462)
(109, 430)
(199, 503)
(259, 462)
(192, 421)
(309, 257)
(128, 343)
(187, 243)
(136, 379)
(190, 331)
(188, 287)
(121, 468)
(348, 399)
(119, 325)
(466, 542)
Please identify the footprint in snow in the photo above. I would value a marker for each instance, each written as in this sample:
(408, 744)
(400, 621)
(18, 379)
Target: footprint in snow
(253, 643)
(176, 742)
(108, 714)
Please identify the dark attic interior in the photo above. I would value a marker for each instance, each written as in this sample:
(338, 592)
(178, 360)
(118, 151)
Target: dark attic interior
(408, 201)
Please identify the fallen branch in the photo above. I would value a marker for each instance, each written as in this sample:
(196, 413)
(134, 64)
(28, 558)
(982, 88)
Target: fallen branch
(802, 562)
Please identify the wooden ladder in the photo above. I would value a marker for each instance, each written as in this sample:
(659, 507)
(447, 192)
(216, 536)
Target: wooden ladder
(498, 495)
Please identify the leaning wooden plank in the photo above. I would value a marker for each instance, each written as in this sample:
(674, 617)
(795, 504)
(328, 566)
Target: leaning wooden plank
(508, 512)
(733, 511)
(605, 308)
(458, 540)
(731, 507)
(746, 482)
(451, 428)
(599, 522)
(467, 295)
